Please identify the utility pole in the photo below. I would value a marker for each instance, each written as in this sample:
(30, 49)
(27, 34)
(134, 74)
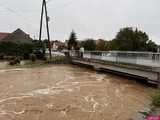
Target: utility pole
(44, 8)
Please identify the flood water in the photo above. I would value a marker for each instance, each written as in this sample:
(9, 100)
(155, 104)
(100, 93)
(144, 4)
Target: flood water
(66, 92)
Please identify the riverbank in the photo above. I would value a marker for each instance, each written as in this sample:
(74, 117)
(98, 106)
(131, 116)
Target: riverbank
(4, 64)
(147, 111)
(155, 108)
(152, 110)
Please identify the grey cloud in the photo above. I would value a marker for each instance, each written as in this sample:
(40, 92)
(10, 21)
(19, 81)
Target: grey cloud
(89, 18)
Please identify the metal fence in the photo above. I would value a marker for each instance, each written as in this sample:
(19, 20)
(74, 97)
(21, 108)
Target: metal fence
(139, 58)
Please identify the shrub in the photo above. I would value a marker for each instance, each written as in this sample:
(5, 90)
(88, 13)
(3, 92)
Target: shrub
(156, 99)
(2, 56)
(45, 58)
(12, 62)
(15, 61)
(15, 49)
(26, 56)
(22, 49)
(33, 57)
(39, 49)
(20, 58)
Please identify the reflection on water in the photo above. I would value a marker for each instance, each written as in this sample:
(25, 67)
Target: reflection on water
(68, 92)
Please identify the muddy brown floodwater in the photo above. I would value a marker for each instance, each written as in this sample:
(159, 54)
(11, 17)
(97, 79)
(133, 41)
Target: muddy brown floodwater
(66, 92)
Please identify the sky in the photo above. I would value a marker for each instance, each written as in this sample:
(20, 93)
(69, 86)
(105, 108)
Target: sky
(98, 19)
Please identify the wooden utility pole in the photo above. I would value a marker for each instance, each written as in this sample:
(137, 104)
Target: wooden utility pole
(44, 7)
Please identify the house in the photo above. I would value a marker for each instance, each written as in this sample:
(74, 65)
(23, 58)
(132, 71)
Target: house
(66, 43)
(3, 35)
(18, 36)
(57, 45)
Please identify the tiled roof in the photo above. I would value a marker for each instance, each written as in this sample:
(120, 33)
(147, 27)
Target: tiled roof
(3, 35)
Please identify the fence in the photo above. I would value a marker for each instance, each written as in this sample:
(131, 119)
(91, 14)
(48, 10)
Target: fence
(139, 58)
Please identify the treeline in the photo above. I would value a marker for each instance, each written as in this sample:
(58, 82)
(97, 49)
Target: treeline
(127, 39)
(23, 50)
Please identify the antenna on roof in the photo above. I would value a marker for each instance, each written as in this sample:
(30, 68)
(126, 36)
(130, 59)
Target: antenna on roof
(44, 8)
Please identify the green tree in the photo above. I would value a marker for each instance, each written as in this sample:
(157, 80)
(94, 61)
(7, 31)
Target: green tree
(15, 49)
(151, 46)
(39, 49)
(89, 44)
(102, 45)
(129, 39)
(46, 43)
(72, 42)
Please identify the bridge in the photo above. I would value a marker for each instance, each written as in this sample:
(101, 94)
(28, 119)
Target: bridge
(143, 65)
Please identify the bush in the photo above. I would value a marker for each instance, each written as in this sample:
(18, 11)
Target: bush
(26, 56)
(10, 49)
(33, 57)
(15, 49)
(20, 58)
(39, 49)
(156, 99)
(12, 62)
(15, 61)
(2, 56)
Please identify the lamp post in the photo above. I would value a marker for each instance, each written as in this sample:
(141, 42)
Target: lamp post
(44, 9)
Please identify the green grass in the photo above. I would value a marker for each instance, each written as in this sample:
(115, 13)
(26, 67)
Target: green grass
(55, 59)
(156, 99)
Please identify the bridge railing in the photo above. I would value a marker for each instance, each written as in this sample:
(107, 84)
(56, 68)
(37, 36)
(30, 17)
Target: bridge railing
(139, 58)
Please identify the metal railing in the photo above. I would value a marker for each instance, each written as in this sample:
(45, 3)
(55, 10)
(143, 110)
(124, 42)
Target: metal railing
(139, 58)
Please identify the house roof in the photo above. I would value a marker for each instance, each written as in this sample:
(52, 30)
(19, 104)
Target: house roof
(18, 36)
(3, 35)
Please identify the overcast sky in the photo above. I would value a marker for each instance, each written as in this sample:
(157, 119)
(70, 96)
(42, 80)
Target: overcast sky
(89, 18)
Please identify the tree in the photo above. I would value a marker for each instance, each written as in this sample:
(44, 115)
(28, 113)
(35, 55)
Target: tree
(89, 44)
(128, 39)
(72, 43)
(46, 43)
(14, 49)
(39, 49)
(101, 45)
(151, 46)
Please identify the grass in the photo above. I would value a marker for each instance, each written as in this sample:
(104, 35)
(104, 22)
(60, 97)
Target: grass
(32, 64)
(55, 59)
(156, 99)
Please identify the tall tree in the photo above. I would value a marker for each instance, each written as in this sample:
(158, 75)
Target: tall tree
(72, 42)
(129, 39)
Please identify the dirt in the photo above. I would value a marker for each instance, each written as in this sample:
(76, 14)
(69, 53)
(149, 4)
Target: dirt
(66, 92)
